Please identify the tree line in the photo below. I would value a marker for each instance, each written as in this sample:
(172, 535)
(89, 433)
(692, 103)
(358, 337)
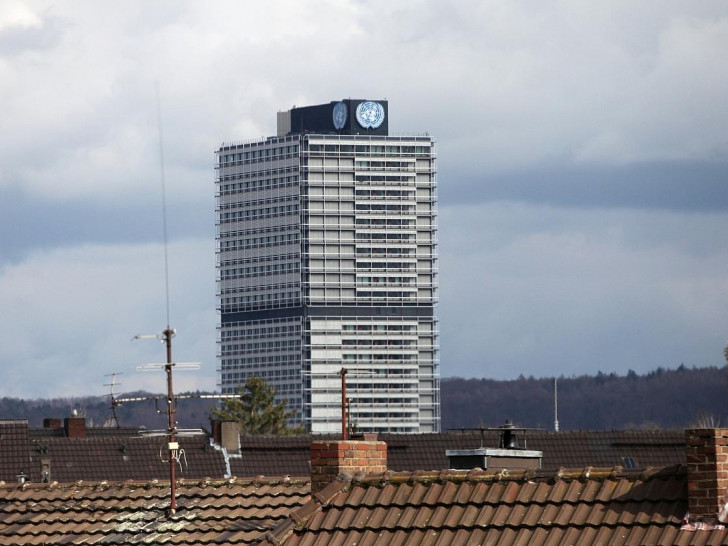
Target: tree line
(664, 398)
(668, 399)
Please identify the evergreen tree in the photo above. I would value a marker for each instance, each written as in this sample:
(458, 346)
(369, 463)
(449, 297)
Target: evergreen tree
(256, 410)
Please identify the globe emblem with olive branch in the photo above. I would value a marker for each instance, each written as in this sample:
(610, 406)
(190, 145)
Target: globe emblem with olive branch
(339, 115)
(370, 115)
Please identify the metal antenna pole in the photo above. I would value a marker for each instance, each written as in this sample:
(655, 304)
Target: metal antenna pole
(344, 435)
(172, 445)
(556, 407)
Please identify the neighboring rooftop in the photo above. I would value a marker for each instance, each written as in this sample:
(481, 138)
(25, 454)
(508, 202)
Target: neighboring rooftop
(582, 506)
(352, 499)
(208, 512)
(109, 454)
(117, 454)
(269, 455)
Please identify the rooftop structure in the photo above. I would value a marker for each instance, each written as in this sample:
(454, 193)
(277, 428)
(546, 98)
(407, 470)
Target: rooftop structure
(119, 454)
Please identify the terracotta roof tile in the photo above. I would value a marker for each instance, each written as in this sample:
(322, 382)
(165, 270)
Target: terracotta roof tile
(588, 506)
(14, 458)
(135, 513)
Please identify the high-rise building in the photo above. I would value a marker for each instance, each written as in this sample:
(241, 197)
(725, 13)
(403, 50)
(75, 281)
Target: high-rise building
(327, 260)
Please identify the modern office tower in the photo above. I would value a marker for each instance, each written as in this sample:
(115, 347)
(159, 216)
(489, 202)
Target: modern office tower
(326, 247)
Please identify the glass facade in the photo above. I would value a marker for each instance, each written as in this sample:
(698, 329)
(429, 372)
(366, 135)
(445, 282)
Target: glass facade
(327, 259)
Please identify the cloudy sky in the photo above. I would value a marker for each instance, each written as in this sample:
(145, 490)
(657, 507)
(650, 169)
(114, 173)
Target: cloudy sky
(582, 158)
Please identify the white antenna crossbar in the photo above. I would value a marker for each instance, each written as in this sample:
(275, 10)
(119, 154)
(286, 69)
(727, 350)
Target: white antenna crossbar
(160, 366)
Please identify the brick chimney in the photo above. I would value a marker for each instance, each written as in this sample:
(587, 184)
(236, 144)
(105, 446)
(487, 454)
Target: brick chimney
(226, 434)
(52, 423)
(75, 427)
(329, 459)
(706, 453)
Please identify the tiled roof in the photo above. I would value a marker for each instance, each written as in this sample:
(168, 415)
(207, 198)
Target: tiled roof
(122, 458)
(590, 506)
(109, 454)
(208, 512)
(274, 455)
(39, 433)
(13, 449)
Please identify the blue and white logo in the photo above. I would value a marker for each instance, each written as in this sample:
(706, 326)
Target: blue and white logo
(370, 115)
(339, 115)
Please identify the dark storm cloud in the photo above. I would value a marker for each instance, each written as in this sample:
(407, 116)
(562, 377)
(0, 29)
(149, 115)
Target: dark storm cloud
(675, 186)
(28, 224)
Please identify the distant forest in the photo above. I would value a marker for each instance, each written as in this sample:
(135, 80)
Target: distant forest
(668, 399)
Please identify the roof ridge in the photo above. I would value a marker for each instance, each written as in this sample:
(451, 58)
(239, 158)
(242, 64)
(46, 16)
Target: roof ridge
(181, 482)
(301, 516)
(522, 475)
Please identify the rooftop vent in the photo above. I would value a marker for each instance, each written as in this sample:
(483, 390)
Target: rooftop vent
(508, 455)
(508, 438)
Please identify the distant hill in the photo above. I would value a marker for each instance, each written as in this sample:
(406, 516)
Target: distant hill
(660, 399)
(663, 398)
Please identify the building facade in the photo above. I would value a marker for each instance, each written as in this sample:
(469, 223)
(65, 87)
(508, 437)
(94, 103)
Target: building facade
(327, 260)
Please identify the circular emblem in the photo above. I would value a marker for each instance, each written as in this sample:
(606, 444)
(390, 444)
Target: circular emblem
(370, 115)
(339, 115)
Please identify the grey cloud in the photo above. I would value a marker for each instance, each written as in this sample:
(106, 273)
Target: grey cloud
(28, 223)
(547, 290)
(688, 186)
(582, 168)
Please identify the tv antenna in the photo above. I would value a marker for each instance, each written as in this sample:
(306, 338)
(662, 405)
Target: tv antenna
(172, 444)
(556, 405)
(172, 432)
(167, 334)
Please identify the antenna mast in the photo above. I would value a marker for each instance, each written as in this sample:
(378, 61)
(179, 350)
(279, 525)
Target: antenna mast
(556, 406)
(172, 444)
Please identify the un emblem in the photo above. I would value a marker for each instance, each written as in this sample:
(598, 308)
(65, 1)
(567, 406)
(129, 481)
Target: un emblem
(370, 115)
(339, 115)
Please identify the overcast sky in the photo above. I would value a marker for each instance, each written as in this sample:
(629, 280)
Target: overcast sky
(582, 170)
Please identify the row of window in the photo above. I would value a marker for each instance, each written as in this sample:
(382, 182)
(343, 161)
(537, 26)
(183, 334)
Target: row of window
(293, 343)
(280, 228)
(252, 271)
(262, 184)
(384, 193)
(363, 235)
(259, 287)
(379, 327)
(256, 214)
(257, 173)
(384, 400)
(395, 251)
(385, 265)
(262, 361)
(394, 294)
(389, 357)
(369, 149)
(260, 242)
(387, 280)
(394, 222)
(258, 202)
(401, 165)
(259, 153)
(382, 387)
(260, 298)
(262, 259)
(293, 328)
(386, 178)
(377, 342)
(379, 207)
